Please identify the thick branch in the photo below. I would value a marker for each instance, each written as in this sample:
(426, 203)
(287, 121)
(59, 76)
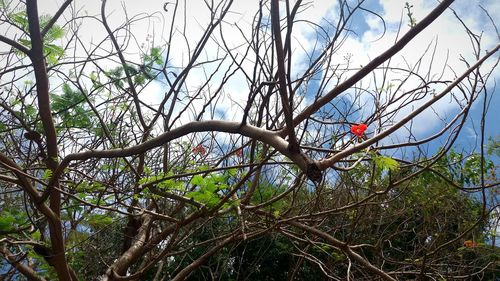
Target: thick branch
(42, 87)
(42, 83)
(253, 132)
(14, 44)
(285, 102)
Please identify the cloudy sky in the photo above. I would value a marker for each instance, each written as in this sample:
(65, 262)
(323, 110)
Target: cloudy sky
(446, 35)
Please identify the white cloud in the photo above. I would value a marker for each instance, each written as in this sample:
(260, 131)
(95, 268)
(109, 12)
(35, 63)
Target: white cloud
(445, 34)
(451, 39)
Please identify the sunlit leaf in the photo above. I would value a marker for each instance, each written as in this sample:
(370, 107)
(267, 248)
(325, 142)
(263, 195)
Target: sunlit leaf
(99, 220)
(386, 163)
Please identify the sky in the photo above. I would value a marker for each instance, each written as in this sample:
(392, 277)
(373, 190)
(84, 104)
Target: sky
(446, 34)
(446, 37)
(372, 37)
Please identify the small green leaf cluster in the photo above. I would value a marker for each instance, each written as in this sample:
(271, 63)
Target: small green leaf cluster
(71, 108)
(154, 57)
(11, 220)
(376, 169)
(148, 62)
(164, 181)
(98, 220)
(207, 189)
(494, 146)
(385, 163)
(51, 51)
(141, 74)
(89, 187)
(466, 170)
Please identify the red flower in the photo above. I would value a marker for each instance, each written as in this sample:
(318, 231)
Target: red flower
(359, 130)
(238, 152)
(470, 244)
(200, 149)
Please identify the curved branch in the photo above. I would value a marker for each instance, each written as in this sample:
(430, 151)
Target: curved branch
(124, 65)
(27, 186)
(268, 137)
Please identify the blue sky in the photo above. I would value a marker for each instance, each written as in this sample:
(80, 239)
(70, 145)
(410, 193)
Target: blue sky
(448, 35)
(450, 39)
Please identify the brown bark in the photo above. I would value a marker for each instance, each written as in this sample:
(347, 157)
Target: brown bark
(42, 87)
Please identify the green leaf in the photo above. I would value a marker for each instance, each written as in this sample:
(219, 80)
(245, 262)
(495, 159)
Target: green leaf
(172, 185)
(54, 33)
(198, 180)
(87, 187)
(11, 219)
(131, 70)
(99, 220)
(156, 55)
(36, 235)
(385, 163)
(139, 79)
(7, 221)
(21, 19)
(72, 110)
(68, 99)
(30, 111)
(494, 147)
(208, 188)
(208, 198)
(53, 53)
(116, 72)
(47, 174)
(276, 213)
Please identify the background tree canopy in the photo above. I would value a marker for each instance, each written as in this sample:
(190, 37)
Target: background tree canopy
(246, 140)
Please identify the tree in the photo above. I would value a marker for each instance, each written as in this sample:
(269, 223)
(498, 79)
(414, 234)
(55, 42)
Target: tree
(142, 157)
